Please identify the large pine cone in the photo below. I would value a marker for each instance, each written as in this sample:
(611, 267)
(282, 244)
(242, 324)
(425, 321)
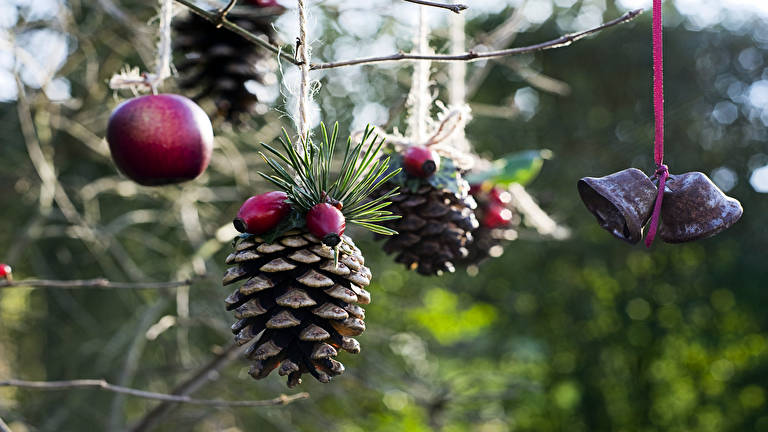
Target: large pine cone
(303, 302)
(434, 230)
(218, 63)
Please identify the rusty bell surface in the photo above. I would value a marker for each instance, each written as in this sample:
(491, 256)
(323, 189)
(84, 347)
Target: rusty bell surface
(622, 202)
(695, 208)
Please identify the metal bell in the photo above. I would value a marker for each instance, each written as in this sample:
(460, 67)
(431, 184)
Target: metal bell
(694, 208)
(622, 202)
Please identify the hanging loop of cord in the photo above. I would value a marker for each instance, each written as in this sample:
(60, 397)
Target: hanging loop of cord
(662, 171)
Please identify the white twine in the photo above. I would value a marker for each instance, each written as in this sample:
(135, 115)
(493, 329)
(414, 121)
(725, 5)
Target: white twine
(132, 78)
(457, 87)
(419, 98)
(303, 118)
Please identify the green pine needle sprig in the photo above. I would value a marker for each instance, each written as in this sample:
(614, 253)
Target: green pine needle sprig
(310, 179)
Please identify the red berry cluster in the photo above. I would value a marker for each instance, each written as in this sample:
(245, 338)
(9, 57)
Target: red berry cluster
(494, 206)
(262, 213)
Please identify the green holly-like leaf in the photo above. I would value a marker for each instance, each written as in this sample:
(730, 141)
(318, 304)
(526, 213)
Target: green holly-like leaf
(447, 177)
(521, 167)
(308, 179)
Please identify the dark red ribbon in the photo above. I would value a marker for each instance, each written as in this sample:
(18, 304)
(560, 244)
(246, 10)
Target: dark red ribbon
(662, 172)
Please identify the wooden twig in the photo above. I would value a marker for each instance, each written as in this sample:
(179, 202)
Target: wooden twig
(202, 376)
(104, 385)
(471, 56)
(224, 11)
(94, 283)
(455, 8)
(4, 427)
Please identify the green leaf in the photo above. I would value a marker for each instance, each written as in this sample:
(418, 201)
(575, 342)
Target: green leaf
(521, 167)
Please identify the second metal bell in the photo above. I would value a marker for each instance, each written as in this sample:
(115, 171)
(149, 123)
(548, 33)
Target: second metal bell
(622, 202)
(694, 208)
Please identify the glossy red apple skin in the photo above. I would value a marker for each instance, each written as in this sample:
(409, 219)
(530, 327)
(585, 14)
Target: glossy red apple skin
(421, 162)
(160, 139)
(326, 222)
(496, 216)
(262, 213)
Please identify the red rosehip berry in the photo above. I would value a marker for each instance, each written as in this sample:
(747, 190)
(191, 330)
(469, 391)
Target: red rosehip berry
(421, 162)
(6, 272)
(327, 223)
(160, 139)
(262, 213)
(496, 216)
(499, 196)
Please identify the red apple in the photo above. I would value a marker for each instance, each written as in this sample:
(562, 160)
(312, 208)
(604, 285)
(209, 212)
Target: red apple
(420, 161)
(160, 139)
(326, 222)
(262, 213)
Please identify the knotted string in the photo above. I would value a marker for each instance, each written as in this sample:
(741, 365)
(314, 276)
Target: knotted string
(662, 171)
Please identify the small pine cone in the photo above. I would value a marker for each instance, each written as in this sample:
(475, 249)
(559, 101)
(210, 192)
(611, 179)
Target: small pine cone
(218, 63)
(299, 306)
(434, 230)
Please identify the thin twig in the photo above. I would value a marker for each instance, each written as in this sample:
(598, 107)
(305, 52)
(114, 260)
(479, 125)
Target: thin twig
(214, 18)
(4, 427)
(100, 283)
(471, 56)
(104, 385)
(202, 376)
(455, 8)
(224, 11)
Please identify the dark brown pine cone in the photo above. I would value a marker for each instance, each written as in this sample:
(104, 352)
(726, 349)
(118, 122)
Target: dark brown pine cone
(219, 63)
(297, 303)
(435, 228)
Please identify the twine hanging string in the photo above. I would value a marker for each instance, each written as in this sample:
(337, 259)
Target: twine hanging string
(132, 78)
(662, 171)
(303, 119)
(419, 97)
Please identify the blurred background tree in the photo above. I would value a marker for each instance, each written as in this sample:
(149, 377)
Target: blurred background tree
(586, 334)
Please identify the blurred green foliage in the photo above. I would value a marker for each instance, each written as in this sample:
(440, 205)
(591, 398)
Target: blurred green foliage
(587, 334)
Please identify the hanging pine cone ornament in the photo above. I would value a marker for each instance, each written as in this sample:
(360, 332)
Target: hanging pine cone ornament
(218, 64)
(497, 219)
(436, 209)
(302, 278)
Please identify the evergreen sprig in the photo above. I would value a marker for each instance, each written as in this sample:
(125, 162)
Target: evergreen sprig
(309, 179)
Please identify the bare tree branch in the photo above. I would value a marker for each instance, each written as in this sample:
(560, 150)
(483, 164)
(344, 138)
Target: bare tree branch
(560, 42)
(470, 56)
(95, 283)
(455, 8)
(204, 375)
(104, 385)
(4, 427)
(224, 11)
